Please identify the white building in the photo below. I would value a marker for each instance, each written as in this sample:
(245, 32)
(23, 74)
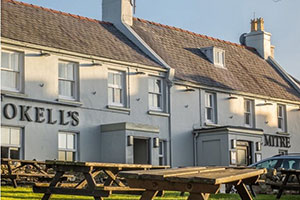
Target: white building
(129, 90)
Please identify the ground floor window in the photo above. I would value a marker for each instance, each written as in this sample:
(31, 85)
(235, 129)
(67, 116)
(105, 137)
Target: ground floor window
(11, 142)
(162, 153)
(67, 148)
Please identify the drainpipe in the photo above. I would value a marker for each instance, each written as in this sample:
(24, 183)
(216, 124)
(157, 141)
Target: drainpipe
(196, 135)
(170, 121)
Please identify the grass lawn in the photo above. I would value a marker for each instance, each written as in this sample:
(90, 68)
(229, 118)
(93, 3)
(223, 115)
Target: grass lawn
(21, 193)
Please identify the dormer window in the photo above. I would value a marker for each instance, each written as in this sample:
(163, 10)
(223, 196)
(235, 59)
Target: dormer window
(215, 55)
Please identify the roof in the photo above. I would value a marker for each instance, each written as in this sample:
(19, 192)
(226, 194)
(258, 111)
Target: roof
(33, 24)
(245, 70)
(227, 128)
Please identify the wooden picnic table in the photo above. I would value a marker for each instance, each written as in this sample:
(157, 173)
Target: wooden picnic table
(200, 182)
(15, 169)
(285, 184)
(88, 185)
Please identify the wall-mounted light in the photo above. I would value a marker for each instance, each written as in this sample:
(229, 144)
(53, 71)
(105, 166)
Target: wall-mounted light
(42, 53)
(94, 92)
(258, 146)
(130, 140)
(232, 97)
(188, 89)
(140, 73)
(41, 84)
(155, 142)
(233, 144)
(94, 63)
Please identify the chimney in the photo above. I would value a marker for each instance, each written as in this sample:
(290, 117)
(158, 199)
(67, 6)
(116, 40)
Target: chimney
(118, 11)
(259, 39)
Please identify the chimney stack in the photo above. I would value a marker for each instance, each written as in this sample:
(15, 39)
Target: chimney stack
(118, 11)
(259, 39)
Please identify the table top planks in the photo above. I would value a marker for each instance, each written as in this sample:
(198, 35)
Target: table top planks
(205, 175)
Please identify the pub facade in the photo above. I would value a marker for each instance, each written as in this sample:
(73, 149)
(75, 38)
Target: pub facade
(132, 91)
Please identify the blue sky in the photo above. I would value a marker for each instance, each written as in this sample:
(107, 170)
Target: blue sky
(224, 19)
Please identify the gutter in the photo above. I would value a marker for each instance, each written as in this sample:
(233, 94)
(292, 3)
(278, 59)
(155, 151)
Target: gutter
(277, 66)
(195, 145)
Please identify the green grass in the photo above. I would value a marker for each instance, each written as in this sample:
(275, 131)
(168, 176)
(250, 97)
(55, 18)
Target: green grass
(23, 193)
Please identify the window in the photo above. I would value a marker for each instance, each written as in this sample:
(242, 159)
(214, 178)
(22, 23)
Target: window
(249, 113)
(281, 115)
(162, 153)
(155, 94)
(10, 142)
(215, 55)
(11, 70)
(219, 57)
(210, 107)
(68, 80)
(269, 164)
(67, 146)
(116, 88)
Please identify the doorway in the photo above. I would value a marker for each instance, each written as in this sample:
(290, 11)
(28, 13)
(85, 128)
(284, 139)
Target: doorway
(243, 149)
(141, 151)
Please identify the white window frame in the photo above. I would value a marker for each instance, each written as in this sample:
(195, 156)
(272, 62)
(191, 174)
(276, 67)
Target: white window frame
(19, 146)
(219, 57)
(114, 87)
(65, 150)
(282, 118)
(75, 81)
(213, 107)
(251, 113)
(162, 155)
(20, 73)
(153, 80)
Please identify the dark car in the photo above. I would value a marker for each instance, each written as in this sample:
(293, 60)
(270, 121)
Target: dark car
(290, 161)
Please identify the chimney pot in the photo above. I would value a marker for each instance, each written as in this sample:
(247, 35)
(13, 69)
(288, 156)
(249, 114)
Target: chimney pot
(253, 25)
(260, 24)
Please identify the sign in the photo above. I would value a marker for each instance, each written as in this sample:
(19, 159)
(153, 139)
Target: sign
(40, 115)
(277, 141)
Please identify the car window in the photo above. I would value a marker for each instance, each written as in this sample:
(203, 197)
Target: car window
(267, 164)
(290, 164)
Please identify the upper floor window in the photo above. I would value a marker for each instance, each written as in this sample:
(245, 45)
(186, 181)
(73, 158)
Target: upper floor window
(215, 55)
(116, 88)
(281, 116)
(155, 94)
(68, 80)
(67, 148)
(249, 113)
(11, 142)
(210, 107)
(11, 70)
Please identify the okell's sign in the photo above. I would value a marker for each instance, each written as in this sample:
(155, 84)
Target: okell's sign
(40, 115)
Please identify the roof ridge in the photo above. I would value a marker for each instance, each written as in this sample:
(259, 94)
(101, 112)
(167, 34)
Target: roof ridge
(57, 12)
(193, 33)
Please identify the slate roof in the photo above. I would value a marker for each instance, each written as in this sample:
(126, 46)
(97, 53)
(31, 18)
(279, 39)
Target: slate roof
(245, 70)
(33, 24)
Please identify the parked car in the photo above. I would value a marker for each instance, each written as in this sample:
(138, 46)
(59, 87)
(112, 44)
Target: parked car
(289, 161)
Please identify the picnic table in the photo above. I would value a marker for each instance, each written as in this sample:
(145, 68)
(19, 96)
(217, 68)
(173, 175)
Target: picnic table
(200, 182)
(15, 169)
(286, 184)
(88, 186)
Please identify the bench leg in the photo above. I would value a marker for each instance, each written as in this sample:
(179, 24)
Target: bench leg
(46, 196)
(243, 192)
(148, 195)
(283, 184)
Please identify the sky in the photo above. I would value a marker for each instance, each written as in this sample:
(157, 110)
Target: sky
(223, 19)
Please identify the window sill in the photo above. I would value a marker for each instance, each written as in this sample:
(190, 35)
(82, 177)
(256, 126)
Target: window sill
(150, 112)
(282, 133)
(69, 102)
(13, 94)
(210, 124)
(118, 108)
